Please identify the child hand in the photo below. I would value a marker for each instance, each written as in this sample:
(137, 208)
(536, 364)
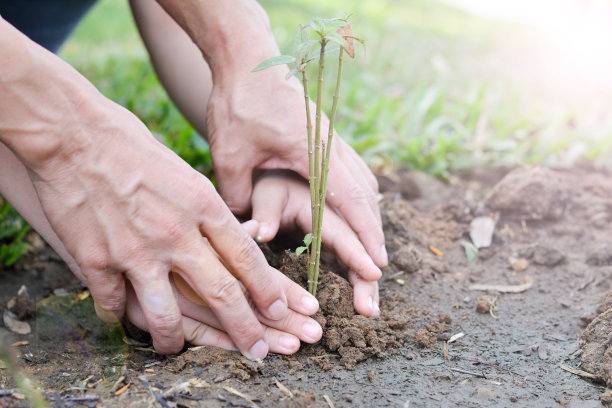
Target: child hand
(281, 201)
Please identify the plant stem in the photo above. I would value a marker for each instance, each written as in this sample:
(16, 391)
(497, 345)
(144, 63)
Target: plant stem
(310, 167)
(325, 161)
(315, 202)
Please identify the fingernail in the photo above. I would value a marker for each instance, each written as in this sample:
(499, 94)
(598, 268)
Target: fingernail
(312, 331)
(277, 310)
(258, 351)
(105, 314)
(383, 256)
(288, 343)
(310, 303)
(376, 309)
(371, 303)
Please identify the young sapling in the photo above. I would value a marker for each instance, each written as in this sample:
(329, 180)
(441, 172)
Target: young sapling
(331, 35)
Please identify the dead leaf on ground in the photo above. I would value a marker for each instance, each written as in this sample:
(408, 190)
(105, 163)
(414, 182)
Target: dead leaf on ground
(14, 324)
(481, 231)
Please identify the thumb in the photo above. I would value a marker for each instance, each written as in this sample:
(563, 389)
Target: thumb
(268, 201)
(108, 292)
(234, 182)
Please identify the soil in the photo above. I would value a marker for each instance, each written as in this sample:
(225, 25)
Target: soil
(502, 329)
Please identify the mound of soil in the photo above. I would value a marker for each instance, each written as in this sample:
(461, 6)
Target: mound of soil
(457, 328)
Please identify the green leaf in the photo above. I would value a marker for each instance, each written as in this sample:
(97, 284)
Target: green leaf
(301, 36)
(332, 25)
(278, 60)
(304, 48)
(336, 38)
(300, 250)
(308, 239)
(291, 73)
(470, 250)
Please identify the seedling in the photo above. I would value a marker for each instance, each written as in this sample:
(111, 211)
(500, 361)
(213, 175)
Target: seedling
(331, 35)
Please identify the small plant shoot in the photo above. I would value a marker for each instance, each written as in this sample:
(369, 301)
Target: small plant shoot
(330, 36)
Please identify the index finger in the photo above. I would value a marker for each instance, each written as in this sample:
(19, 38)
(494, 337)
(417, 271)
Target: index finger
(197, 263)
(357, 203)
(245, 261)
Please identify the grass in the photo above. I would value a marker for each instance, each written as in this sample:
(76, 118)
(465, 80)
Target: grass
(431, 91)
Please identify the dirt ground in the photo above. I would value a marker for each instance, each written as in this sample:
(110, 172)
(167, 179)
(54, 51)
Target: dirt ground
(497, 327)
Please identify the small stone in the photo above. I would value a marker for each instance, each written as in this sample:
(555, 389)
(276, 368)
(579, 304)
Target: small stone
(484, 393)
(606, 397)
(467, 299)
(485, 303)
(518, 264)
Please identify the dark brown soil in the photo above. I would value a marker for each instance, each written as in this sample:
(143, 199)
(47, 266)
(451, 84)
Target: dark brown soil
(553, 231)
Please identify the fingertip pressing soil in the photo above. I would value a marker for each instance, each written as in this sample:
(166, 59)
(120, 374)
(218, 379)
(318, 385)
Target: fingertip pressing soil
(437, 342)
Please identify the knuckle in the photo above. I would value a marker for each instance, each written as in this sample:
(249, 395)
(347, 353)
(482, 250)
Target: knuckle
(92, 260)
(247, 254)
(223, 291)
(197, 332)
(356, 193)
(247, 332)
(166, 324)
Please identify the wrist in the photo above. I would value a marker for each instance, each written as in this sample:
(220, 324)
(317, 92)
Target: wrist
(44, 102)
(234, 36)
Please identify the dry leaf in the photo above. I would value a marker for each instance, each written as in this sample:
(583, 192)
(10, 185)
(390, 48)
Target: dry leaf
(122, 389)
(435, 251)
(347, 32)
(14, 325)
(481, 231)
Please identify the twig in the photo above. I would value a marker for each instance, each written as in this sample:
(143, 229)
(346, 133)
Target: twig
(576, 371)
(8, 391)
(504, 288)
(329, 401)
(459, 370)
(155, 394)
(87, 398)
(241, 395)
(284, 389)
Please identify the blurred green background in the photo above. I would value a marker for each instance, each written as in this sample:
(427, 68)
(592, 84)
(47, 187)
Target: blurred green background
(438, 88)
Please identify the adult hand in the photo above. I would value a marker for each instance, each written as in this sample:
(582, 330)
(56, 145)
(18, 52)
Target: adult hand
(281, 201)
(202, 328)
(257, 117)
(200, 325)
(125, 206)
(260, 116)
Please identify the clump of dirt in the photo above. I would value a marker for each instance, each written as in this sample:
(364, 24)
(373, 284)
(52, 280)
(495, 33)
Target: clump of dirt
(533, 193)
(485, 304)
(596, 346)
(228, 364)
(354, 337)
